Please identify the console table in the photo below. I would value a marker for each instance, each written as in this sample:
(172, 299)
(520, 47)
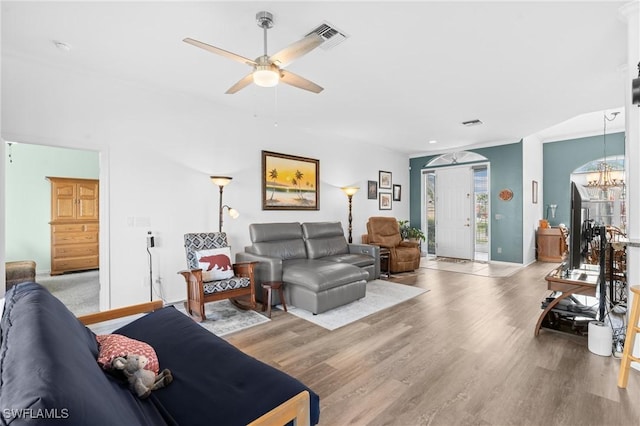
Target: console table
(580, 281)
(551, 244)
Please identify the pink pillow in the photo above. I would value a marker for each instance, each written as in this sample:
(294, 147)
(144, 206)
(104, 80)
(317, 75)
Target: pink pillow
(114, 345)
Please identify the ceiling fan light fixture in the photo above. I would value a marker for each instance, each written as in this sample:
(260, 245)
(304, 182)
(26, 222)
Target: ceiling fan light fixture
(268, 69)
(265, 76)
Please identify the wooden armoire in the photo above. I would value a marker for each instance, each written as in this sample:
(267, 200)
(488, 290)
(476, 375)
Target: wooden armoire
(74, 224)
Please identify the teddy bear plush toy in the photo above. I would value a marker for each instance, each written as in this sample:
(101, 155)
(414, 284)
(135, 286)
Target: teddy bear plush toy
(141, 381)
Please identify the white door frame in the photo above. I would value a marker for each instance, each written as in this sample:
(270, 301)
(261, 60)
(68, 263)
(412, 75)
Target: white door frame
(423, 202)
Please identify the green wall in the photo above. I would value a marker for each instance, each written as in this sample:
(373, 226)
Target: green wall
(28, 196)
(561, 158)
(506, 216)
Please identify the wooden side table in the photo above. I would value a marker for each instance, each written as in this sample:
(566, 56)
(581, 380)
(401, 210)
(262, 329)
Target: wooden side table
(385, 262)
(267, 289)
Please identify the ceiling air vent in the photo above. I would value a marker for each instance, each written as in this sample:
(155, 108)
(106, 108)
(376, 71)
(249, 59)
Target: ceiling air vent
(331, 35)
(470, 123)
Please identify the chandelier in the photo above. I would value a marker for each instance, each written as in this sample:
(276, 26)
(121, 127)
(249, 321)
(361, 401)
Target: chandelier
(606, 178)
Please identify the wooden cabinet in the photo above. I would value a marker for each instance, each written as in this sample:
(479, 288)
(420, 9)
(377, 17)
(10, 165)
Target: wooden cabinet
(74, 224)
(551, 244)
(74, 199)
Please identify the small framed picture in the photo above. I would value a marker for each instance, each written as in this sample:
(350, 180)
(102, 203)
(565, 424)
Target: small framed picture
(384, 179)
(384, 201)
(372, 190)
(396, 192)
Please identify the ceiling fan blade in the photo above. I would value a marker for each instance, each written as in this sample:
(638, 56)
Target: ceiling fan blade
(296, 81)
(295, 50)
(219, 51)
(244, 82)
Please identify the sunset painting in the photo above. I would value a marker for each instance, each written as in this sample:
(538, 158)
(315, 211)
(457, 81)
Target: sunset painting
(289, 182)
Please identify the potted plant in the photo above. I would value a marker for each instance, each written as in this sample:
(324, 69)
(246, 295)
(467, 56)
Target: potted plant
(407, 232)
(415, 234)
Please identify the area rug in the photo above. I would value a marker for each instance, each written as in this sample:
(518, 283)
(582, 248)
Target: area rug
(451, 259)
(380, 295)
(223, 318)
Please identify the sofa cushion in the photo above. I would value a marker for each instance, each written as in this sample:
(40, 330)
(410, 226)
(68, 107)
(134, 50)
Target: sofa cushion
(215, 263)
(48, 365)
(261, 232)
(359, 260)
(214, 383)
(320, 275)
(324, 239)
(112, 346)
(280, 240)
(228, 284)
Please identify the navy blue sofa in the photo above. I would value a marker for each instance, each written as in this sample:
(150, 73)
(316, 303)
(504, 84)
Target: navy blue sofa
(49, 372)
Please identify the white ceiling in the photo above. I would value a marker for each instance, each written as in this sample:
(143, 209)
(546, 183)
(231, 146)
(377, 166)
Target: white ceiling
(409, 72)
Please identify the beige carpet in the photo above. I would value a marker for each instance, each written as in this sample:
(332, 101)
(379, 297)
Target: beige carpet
(380, 295)
(78, 290)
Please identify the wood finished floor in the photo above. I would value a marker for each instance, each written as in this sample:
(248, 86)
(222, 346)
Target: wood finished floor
(463, 353)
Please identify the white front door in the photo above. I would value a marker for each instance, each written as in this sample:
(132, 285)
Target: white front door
(454, 201)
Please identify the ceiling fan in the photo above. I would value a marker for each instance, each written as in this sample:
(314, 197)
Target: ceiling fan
(268, 70)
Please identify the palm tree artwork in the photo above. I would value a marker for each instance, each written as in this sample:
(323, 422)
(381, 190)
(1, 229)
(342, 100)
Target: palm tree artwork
(296, 182)
(273, 175)
(289, 182)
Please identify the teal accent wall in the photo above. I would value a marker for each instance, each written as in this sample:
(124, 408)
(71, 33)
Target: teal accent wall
(506, 216)
(561, 158)
(28, 196)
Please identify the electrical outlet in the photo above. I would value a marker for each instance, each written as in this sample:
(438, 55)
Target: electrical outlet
(499, 250)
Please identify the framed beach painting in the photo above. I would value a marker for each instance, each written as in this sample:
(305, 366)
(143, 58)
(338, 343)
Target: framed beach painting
(290, 182)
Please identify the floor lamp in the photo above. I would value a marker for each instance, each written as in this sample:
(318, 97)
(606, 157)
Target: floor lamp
(222, 181)
(350, 190)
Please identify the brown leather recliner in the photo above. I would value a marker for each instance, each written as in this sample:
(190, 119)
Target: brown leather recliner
(385, 232)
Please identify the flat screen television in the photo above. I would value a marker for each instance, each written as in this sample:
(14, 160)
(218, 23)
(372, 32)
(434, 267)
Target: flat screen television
(578, 240)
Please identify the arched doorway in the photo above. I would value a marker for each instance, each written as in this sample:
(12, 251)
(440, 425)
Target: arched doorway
(455, 206)
(604, 179)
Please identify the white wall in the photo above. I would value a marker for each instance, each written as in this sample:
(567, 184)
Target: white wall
(28, 196)
(532, 213)
(158, 150)
(2, 226)
(630, 13)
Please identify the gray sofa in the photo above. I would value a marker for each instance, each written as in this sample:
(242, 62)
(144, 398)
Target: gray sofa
(321, 271)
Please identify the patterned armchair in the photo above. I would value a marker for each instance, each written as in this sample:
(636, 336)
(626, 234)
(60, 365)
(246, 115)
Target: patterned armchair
(211, 275)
